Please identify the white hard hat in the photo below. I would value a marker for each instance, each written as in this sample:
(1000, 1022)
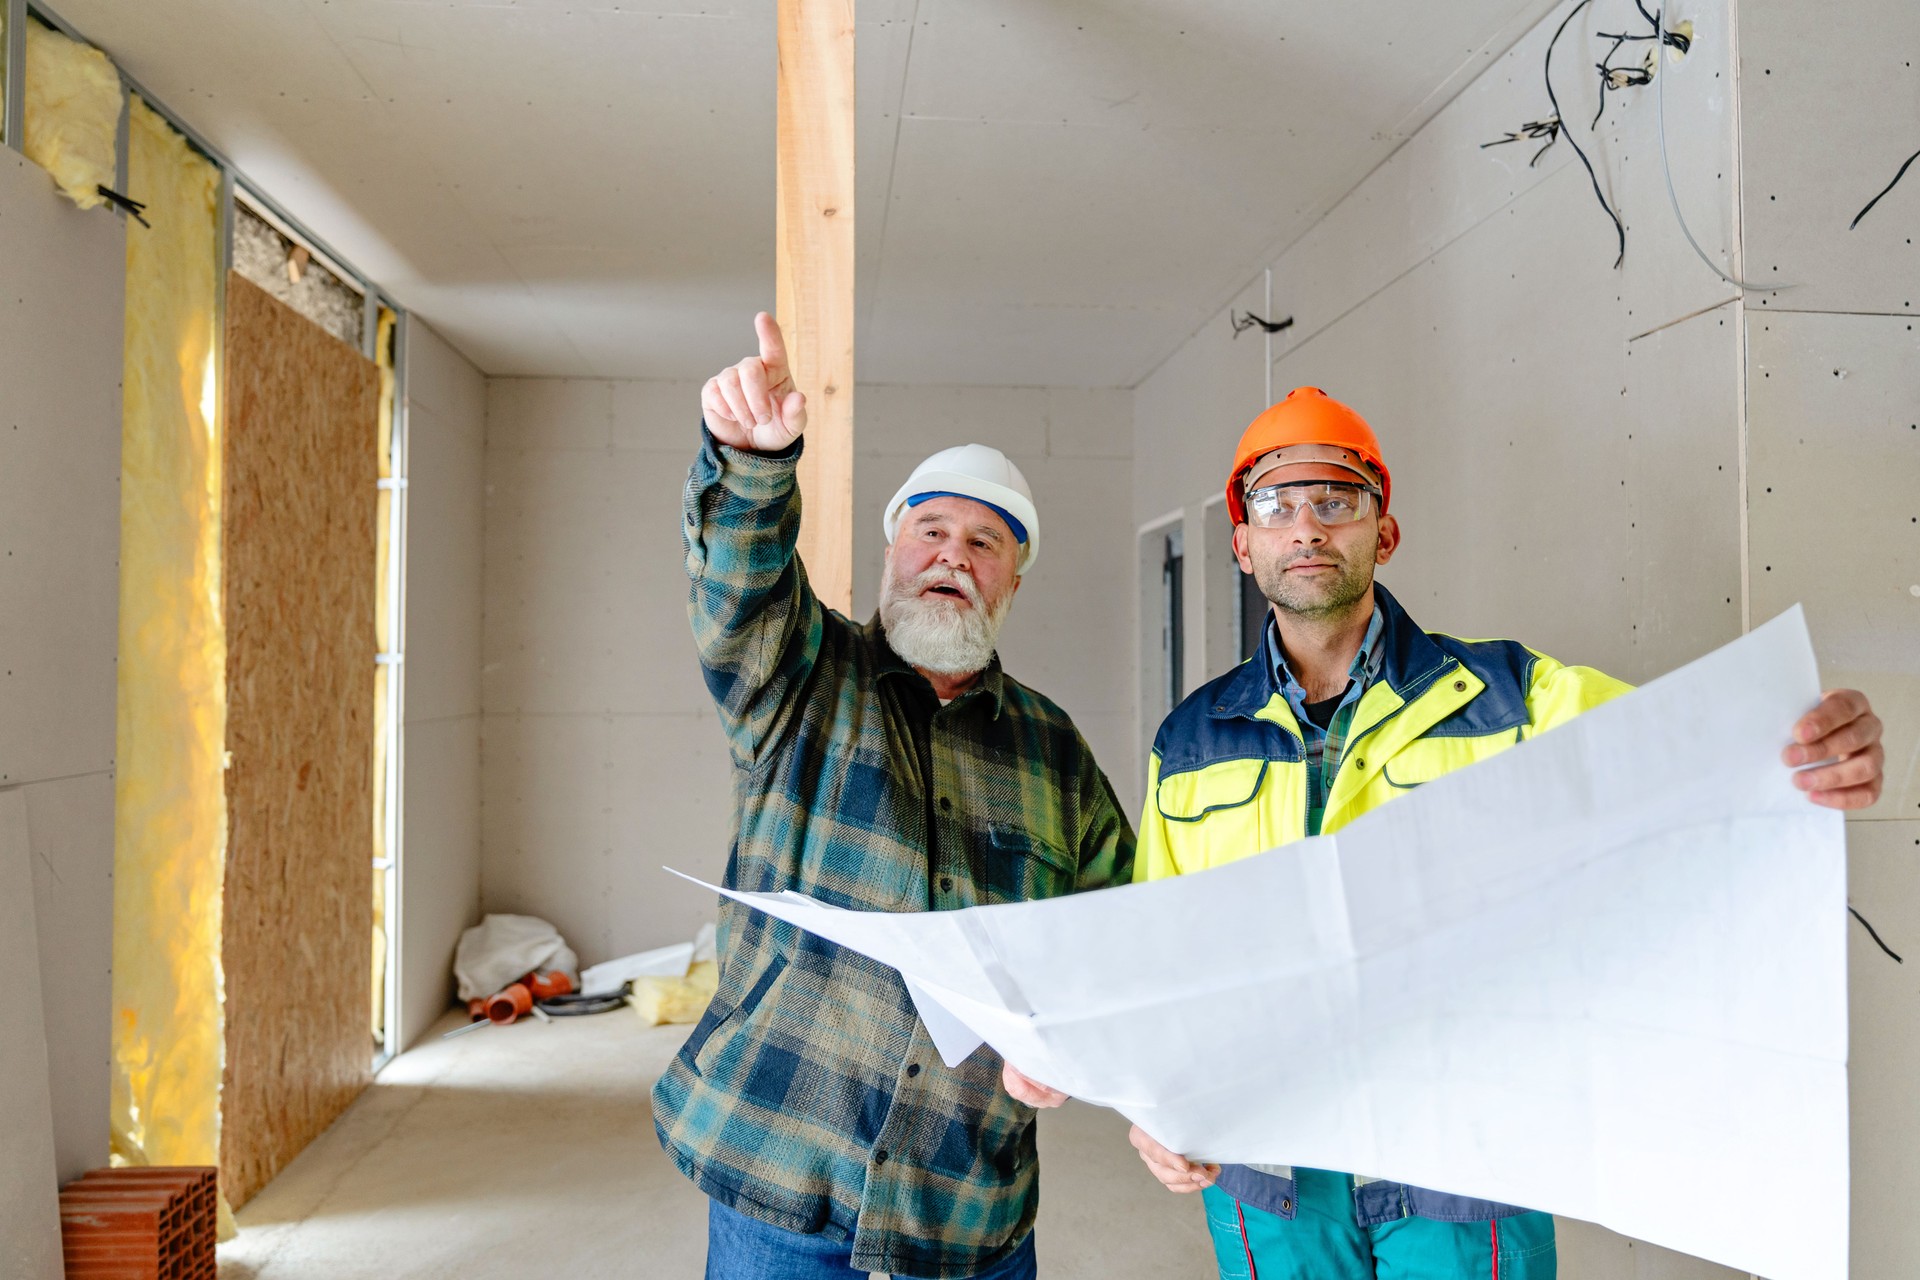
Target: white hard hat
(979, 472)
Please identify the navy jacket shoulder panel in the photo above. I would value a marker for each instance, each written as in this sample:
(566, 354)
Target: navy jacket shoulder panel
(1506, 668)
(1216, 722)
(1416, 659)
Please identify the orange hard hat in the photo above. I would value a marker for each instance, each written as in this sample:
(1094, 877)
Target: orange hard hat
(1308, 416)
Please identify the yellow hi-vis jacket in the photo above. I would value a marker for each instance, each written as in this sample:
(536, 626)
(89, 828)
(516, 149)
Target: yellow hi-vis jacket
(1228, 779)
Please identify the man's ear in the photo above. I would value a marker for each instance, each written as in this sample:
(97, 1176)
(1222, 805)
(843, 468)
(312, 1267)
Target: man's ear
(1240, 548)
(1389, 539)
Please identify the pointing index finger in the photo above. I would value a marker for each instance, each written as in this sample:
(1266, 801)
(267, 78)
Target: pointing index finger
(773, 347)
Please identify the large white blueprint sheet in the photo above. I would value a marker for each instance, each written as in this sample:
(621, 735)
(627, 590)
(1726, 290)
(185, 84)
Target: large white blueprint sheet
(1603, 974)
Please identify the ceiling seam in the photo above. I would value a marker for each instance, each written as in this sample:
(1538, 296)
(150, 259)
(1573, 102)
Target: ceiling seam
(452, 190)
(893, 163)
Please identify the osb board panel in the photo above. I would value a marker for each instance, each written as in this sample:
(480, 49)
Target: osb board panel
(300, 507)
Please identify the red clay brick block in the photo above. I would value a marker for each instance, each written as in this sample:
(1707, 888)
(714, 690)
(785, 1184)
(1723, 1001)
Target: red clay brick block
(140, 1224)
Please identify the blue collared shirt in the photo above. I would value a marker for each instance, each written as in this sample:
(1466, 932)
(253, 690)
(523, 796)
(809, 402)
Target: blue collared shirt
(1326, 744)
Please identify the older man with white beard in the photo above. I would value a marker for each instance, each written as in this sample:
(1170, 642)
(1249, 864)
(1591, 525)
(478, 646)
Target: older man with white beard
(885, 766)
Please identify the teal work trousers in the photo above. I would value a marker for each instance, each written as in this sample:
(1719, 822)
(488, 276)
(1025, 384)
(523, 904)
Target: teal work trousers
(1322, 1241)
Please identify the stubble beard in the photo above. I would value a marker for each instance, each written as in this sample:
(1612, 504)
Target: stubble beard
(1319, 598)
(935, 634)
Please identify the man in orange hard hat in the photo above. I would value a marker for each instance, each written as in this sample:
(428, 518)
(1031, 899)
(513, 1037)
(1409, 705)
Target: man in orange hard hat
(1347, 704)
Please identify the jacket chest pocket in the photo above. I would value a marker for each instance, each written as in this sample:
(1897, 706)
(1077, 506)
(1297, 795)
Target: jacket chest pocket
(1424, 759)
(1217, 811)
(1022, 866)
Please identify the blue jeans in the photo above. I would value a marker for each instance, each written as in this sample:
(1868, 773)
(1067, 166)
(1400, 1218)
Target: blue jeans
(743, 1248)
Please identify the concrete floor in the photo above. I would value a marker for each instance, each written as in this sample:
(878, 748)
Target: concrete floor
(529, 1151)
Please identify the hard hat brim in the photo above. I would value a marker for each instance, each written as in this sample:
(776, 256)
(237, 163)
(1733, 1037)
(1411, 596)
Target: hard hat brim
(985, 492)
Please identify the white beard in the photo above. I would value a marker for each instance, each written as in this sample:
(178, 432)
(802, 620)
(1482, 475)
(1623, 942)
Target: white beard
(938, 636)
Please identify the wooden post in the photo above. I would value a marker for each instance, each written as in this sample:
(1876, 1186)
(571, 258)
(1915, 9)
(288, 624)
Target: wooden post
(813, 234)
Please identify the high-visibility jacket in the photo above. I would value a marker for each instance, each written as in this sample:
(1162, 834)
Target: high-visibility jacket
(1228, 775)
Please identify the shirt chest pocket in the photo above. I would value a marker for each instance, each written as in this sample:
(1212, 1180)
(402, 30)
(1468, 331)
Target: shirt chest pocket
(1023, 866)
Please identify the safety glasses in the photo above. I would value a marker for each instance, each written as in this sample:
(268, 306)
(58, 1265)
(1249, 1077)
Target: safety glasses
(1277, 506)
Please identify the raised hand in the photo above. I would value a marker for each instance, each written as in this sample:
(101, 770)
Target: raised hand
(754, 404)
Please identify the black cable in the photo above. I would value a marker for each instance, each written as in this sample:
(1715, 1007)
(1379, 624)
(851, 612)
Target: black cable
(1548, 129)
(1674, 38)
(1874, 935)
(1247, 320)
(1619, 227)
(575, 1005)
(1612, 77)
(134, 208)
(1890, 186)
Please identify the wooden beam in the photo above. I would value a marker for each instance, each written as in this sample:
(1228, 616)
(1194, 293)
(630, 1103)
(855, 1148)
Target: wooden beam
(813, 234)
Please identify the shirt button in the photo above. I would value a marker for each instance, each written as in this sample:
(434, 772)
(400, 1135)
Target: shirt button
(945, 804)
(879, 1157)
(1286, 1206)
(913, 1069)
(946, 884)
(1459, 686)
(1359, 764)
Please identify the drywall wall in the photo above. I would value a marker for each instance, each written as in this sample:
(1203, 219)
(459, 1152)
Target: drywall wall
(60, 362)
(29, 1200)
(1614, 465)
(1832, 385)
(440, 850)
(602, 756)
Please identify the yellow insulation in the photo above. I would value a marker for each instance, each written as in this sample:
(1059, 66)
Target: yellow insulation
(660, 1000)
(170, 811)
(73, 114)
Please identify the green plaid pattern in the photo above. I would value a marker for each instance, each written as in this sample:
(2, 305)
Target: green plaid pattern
(809, 1095)
(1328, 743)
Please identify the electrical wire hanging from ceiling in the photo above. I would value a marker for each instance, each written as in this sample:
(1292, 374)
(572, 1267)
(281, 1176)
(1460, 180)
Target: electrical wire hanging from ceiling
(1247, 320)
(1613, 79)
(1619, 227)
(1536, 129)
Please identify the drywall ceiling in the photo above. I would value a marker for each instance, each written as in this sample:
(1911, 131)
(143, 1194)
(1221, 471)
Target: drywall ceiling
(1050, 191)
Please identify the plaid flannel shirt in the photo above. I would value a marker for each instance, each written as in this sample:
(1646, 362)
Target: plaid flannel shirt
(809, 1095)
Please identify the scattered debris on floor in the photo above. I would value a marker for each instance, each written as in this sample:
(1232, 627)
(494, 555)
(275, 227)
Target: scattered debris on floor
(510, 967)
